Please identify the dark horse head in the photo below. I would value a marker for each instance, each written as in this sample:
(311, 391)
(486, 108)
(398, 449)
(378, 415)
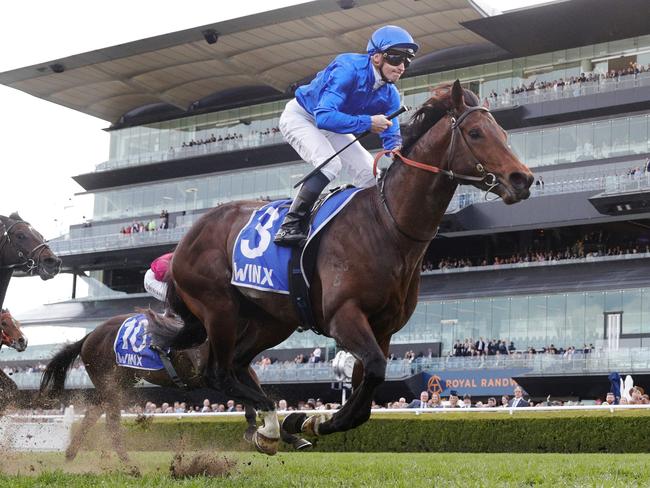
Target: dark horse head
(10, 333)
(23, 248)
(477, 150)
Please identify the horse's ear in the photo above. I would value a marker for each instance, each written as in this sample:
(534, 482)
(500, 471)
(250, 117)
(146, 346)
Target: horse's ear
(486, 104)
(15, 216)
(457, 96)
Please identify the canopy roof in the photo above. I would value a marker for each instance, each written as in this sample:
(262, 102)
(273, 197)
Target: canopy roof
(271, 50)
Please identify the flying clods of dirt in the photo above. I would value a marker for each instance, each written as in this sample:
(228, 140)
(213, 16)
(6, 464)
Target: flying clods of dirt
(203, 464)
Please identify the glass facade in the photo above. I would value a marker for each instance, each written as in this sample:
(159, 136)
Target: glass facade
(568, 143)
(562, 319)
(199, 192)
(250, 126)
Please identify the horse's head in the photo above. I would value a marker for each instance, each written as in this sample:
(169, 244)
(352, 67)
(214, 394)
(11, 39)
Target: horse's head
(478, 151)
(10, 334)
(22, 247)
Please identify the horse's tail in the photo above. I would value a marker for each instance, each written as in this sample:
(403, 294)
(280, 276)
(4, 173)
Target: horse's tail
(53, 381)
(193, 333)
(162, 328)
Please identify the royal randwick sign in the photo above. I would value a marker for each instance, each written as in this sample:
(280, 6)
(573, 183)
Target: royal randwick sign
(476, 382)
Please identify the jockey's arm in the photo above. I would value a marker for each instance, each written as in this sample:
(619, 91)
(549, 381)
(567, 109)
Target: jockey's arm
(328, 113)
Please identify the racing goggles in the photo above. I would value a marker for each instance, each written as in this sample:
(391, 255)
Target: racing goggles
(395, 58)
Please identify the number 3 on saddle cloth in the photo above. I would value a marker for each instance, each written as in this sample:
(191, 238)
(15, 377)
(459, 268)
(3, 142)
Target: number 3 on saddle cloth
(260, 264)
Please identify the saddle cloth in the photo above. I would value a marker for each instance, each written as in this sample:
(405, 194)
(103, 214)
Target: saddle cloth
(259, 263)
(133, 345)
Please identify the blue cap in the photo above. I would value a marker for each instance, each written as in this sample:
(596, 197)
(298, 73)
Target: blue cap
(391, 36)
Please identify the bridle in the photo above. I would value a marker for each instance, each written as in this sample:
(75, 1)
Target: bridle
(489, 179)
(29, 260)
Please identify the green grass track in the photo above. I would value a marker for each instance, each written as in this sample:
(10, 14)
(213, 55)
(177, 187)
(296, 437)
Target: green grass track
(95, 469)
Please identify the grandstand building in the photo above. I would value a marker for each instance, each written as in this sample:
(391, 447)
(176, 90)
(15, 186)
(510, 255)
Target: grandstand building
(193, 119)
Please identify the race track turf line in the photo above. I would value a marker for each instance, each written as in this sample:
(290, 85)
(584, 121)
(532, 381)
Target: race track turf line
(95, 469)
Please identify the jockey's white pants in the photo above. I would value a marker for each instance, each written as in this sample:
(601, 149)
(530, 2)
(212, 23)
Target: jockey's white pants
(155, 288)
(315, 145)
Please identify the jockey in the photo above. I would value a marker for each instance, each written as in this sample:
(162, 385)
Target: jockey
(350, 96)
(154, 278)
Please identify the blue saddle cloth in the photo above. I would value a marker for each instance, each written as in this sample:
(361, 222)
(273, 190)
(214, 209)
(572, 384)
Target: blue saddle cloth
(259, 263)
(133, 345)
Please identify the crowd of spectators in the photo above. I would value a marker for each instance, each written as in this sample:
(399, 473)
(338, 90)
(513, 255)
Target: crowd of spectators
(502, 347)
(150, 226)
(230, 140)
(534, 87)
(427, 400)
(575, 251)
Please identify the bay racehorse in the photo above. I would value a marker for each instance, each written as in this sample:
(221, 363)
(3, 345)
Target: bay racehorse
(23, 248)
(367, 273)
(98, 356)
(11, 336)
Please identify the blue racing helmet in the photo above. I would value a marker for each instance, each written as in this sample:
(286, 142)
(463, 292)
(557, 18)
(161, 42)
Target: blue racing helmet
(391, 36)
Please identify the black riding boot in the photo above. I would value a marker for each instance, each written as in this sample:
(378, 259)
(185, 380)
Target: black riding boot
(294, 228)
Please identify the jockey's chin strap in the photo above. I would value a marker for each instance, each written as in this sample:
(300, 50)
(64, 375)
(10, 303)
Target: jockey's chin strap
(489, 179)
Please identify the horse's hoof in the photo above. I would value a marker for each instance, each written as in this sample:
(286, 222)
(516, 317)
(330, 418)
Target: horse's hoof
(69, 456)
(265, 445)
(310, 426)
(301, 444)
(249, 433)
(292, 423)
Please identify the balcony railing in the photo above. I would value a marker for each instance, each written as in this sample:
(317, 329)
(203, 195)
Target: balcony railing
(631, 360)
(82, 245)
(574, 90)
(247, 141)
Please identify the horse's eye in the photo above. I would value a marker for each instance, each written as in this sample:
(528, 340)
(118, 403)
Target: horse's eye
(20, 235)
(474, 133)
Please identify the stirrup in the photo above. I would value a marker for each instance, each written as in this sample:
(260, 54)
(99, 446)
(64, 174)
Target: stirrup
(285, 237)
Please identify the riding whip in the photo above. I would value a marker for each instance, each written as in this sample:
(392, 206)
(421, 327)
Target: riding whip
(400, 111)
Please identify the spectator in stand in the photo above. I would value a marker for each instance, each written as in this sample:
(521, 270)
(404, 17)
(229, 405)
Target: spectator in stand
(467, 401)
(401, 403)
(315, 356)
(492, 402)
(453, 399)
(435, 400)
(610, 399)
(518, 401)
(207, 408)
(505, 399)
(423, 402)
(230, 406)
(282, 404)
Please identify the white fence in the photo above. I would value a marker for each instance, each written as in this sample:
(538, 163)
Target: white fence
(36, 432)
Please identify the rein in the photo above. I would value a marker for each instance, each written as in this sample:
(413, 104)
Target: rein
(30, 261)
(489, 179)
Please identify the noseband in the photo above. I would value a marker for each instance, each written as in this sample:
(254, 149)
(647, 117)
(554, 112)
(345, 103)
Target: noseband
(30, 261)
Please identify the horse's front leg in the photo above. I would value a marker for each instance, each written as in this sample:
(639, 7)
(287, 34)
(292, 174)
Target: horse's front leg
(298, 443)
(350, 328)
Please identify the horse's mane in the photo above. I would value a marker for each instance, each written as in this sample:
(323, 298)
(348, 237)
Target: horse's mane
(431, 112)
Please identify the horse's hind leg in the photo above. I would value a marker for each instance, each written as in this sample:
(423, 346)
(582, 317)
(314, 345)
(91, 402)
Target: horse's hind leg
(113, 417)
(93, 412)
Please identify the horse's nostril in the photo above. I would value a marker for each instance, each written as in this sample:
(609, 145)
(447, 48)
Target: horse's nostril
(520, 181)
